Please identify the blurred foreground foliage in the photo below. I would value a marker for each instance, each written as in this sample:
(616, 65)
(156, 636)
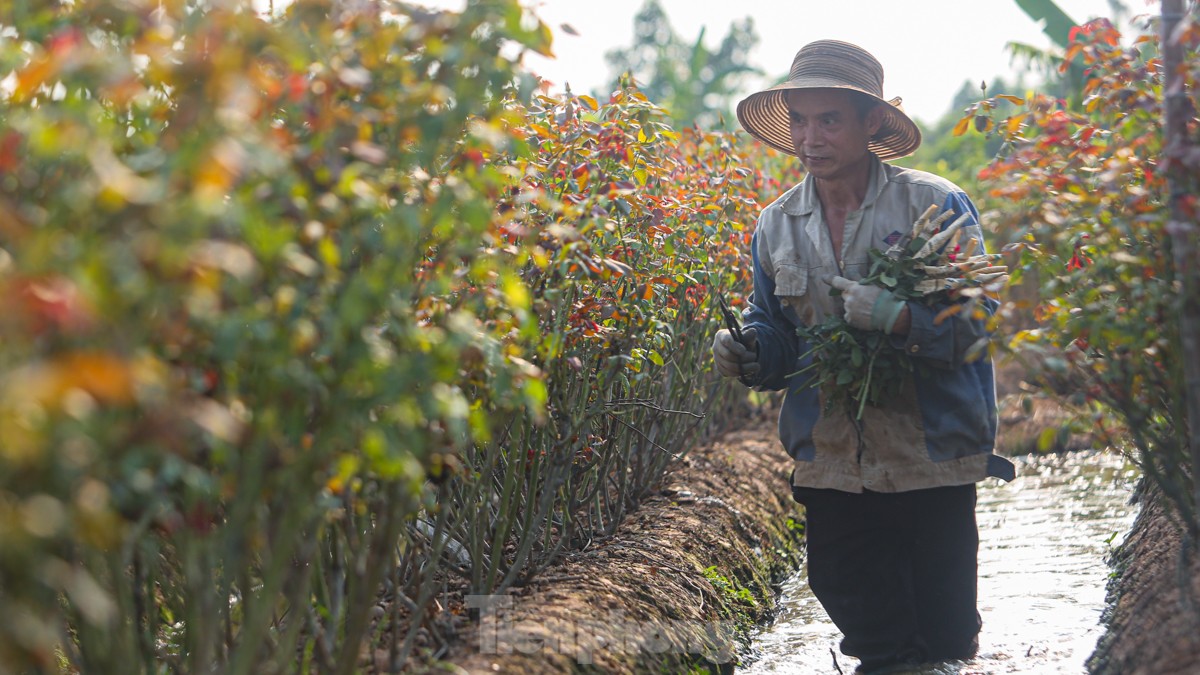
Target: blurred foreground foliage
(1078, 197)
(312, 320)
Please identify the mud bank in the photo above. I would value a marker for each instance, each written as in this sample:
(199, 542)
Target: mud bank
(678, 587)
(1154, 602)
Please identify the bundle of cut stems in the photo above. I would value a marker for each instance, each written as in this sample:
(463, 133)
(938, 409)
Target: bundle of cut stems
(856, 368)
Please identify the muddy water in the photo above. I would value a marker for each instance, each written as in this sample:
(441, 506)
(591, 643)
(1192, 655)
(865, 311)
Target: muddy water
(1043, 538)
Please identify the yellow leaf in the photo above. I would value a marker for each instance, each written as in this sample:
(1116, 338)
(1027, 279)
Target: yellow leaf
(330, 254)
(1011, 99)
(516, 292)
(545, 40)
(1046, 439)
(346, 467)
(962, 126)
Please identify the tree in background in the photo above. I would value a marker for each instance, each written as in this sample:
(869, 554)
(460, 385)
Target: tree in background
(1059, 81)
(695, 84)
(960, 156)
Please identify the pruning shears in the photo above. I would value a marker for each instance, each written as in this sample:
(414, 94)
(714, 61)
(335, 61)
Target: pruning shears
(731, 318)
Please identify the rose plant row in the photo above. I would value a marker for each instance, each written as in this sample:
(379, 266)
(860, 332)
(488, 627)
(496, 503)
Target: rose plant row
(315, 322)
(1079, 195)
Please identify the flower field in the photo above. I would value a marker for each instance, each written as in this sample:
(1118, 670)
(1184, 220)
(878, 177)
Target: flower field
(1081, 198)
(316, 322)
(311, 319)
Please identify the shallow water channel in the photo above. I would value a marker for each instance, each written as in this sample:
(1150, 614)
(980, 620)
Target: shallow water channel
(1042, 575)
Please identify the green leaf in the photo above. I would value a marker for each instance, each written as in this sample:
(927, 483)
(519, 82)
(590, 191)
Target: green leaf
(1056, 23)
(1047, 438)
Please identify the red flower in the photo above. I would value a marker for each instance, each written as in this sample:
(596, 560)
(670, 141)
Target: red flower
(1080, 259)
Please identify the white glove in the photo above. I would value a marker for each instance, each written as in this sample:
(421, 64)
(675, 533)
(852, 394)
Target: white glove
(868, 307)
(735, 359)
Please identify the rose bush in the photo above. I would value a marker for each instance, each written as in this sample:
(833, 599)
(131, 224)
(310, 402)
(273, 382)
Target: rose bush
(313, 318)
(221, 396)
(1079, 196)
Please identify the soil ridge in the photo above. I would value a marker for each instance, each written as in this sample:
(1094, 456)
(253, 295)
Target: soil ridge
(696, 567)
(676, 589)
(1153, 612)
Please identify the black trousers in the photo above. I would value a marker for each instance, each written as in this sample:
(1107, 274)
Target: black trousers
(896, 571)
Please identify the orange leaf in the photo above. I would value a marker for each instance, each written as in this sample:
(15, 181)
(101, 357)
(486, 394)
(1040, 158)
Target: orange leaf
(104, 377)
(1073, 51)
(107, 378)
(962, 126)
(34, 75)
(946, 314)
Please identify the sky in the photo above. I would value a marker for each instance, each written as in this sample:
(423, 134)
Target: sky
(928, 48)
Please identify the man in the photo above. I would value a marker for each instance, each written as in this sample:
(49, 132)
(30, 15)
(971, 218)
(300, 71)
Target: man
(890, 501)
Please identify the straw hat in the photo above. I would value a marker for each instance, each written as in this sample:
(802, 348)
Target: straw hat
(830, 64)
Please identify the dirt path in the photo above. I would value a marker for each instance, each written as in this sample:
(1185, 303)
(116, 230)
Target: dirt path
(677, 586)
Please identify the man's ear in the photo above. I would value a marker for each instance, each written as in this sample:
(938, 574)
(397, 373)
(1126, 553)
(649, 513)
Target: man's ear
(874, 121)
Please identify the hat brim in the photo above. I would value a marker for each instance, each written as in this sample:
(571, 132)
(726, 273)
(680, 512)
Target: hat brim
(764, 115)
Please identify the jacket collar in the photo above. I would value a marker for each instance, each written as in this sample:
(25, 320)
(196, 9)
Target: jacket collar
(803, 200)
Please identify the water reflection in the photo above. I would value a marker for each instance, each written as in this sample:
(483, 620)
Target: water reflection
(1042, 575)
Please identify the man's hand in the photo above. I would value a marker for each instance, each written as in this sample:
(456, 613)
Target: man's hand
(736, 359)
(868, 307)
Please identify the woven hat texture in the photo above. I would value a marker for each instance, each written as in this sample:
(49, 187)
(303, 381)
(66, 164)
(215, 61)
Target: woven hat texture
(830, 64)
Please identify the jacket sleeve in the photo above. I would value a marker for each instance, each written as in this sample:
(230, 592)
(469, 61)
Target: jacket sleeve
(778, 344)
(951, 342)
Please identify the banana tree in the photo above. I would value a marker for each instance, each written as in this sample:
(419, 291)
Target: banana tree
(1057, 25)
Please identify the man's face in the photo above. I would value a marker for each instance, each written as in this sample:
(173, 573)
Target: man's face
(828, 134)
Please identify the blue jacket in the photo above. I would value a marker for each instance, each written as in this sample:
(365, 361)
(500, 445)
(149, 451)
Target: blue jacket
(942, 430)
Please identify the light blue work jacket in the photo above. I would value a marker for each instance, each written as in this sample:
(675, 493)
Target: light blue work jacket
(942, 430)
